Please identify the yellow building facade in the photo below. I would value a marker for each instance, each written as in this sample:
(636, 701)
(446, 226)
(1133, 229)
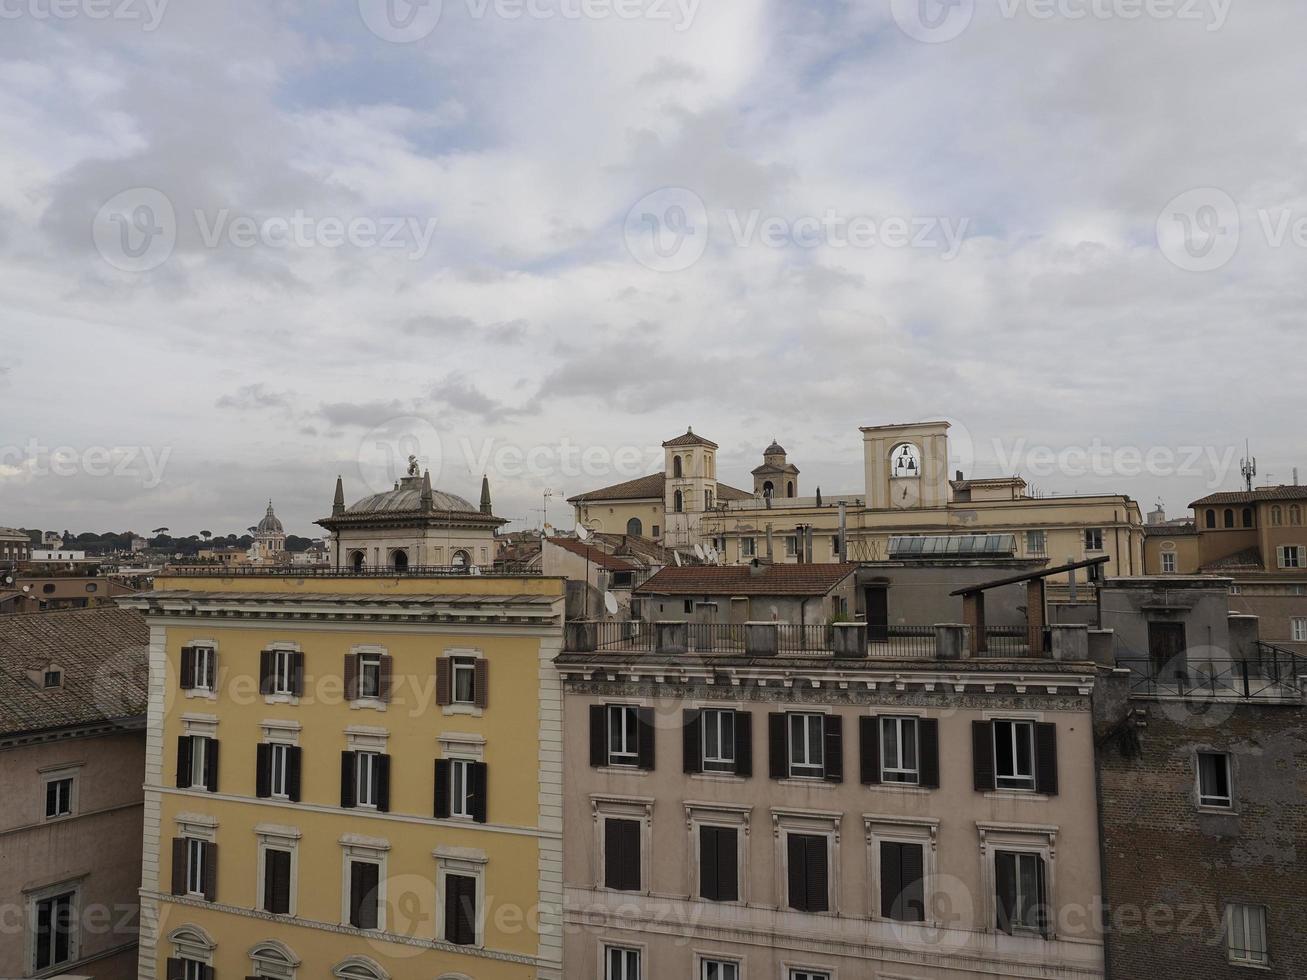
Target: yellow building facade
(353, 776)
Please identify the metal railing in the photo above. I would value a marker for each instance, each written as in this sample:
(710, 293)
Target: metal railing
(333, 571)
(1271, 674)
(1008, 641)
(631, 635)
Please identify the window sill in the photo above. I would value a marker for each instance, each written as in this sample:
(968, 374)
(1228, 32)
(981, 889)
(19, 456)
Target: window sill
(1017, 794)
(1249, 966)
(1219, 811)
(470, 710)
(623, 771)
(719, 777)
(809, 782)
(281, 699)
(367, 704)
(199, 694)
(907, 789)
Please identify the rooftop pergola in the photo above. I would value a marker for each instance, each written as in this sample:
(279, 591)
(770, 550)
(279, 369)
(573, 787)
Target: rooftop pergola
(973, 603)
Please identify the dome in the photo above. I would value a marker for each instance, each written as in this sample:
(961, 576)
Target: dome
(408, 498)
(270, 524)
(775, 449)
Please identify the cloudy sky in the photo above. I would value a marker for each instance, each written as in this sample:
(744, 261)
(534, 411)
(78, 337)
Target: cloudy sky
(247, 246)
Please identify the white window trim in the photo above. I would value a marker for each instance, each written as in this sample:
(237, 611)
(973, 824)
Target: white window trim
(734, 816)
(817, 823)
(54, 774)
(1228, 930)
(703, 957)
(205, 726)
(281, 968)
(1198, 781)
(283, 646)
(34, 898)
(1298, 629)
(803, 778)
(361, 738)
(899, 829)
(604, 808)
(1024, 838)
(703, 739)
(204, 693)
(604, 945)
(451, 709)
(281, 732)
(609, 765)
(197, 825)
(470, 863)
(199, 950)
(368, 703)
(372, 850)
(789, 969)
(282, 839)
(462, 745)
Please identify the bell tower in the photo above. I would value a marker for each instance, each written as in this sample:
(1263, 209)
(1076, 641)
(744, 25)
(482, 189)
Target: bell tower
(906, 466)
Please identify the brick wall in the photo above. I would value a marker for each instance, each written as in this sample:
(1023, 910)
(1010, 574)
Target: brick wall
(1171, 869)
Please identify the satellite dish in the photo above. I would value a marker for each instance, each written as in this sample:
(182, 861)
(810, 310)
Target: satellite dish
(713, 556)
(610, 603)
(582, 533)
(677, 556)
(698, 550)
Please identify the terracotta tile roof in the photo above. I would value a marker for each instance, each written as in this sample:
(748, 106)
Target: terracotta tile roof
(1248, 558)
(741, 580)
(597, 556)
(1258, 494)
(725, 492)
(102, 653)
(650, 488)
(689, 439)
(1170, 529)
(993, 481)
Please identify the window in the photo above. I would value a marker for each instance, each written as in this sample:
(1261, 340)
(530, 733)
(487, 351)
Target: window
(197, 852)
(53, 678)
(623, 735)
(657, 531)
(807, 872)
(464, 670)
(1247, 517)
(1214, 780)
(621, 963)
(1295, 515)
(1014, 754)
(1036, 543)
(364, 894)
(677, 471)
(365, 774)
(808, 975)
(59, 797)
(197, 763)
(282, 673)
(198, 668)
(1291, 556)
(718, 741)
(460, 788)
(1020, 893)
(279, 768)
(1299, 630)
(791, 545)
(902, 888)
(460, 910)
(634, 528)
(1211, 520)
(689, 607)
(748, 547)
(276, 880)
(806, 738)
(622, 854)
(367, 782)
(1168, 562)
(1227, 518)
(898, 749)
(1245, 934)
(707, 500)
(719, 863)
(194, 970)
(1093, 539)
(719, 970)
(1277, 516)
(678, 502)
(369, 675)
(53, 924)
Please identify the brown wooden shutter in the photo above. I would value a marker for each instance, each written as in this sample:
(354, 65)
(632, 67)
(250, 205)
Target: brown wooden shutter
(708, 883)
(276, 881)
(347, 761)
(444, 789)
(481, 685)
(444, 681)
(179, 865)
(891, 878)
(460, 909)
(479, 776)
(598, 736)
(1046, 759)
(913, 901)
(210, 871)
(622, 855)
(779, 763)
(743, 743)
(818, 875)
(796, 872)
(294, 772)
(351, 677)
(211, 765)
(1005, 889)
(183, 761)
(382, 773)
(928, 752)
(982, 755)
(718, 868)
(644, 725)
(176, 969)
(869, 750)
(297, 673)
(188, 669)
(265, 671)
(833, 737)
(364, 892)
(206, 973)
(692, 740)
(263, 770)
(387, 677)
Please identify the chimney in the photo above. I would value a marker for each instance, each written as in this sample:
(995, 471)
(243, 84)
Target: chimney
(957, 475)
(338, 505)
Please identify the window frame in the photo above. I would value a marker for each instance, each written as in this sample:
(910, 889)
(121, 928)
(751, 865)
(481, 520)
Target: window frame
(274, 838)
(369, 666)
(629, 756)
(279, 750)
(52, 894)
(283, 672)
(722, 763)
(898, 829)
(1017, 782)
(460, 665)
(1170, 562)
(1094, 539)
(372, 782)
(363, 850)
(1298, 629)
(735, 966)
(900, 724)
(1244, 911)
(197, 850)
(1021, 855)
(625, 973)
(633, 808)
(460, 772)
(463, 863)
(806, 770)
(1214, 801)
(1037, 839)
(205, 679)
(52, 777)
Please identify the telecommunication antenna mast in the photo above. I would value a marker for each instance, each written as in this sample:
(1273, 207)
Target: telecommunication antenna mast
(1248, 467)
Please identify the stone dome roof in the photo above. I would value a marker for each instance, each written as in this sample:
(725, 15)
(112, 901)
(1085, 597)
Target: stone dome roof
(775, 449)
(270, 524)
(407, 498)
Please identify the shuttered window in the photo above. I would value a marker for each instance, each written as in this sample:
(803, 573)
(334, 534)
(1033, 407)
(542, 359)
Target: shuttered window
(276, 881)
(621, 735)
(902, 891)
(622, 855)
(1020, 893)
(460, 910)
(365, 780)
(808, 873)
(1015, 755)
(719, 864)
(364, 894)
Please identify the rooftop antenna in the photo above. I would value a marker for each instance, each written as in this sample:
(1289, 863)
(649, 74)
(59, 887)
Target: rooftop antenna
(1248, 467)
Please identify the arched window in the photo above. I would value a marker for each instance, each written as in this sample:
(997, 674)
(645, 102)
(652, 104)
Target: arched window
(1211, 518)
(359, 968)
(634, 527)
(399, 560)
(676, 467)
(768, 490)
(462, 559)
(789, 489)
(678, 502)
(274, 960)
(1277, 516)
(191, 944)
(1229, 517)
(1295, 515)
(356, 560)
(1247, 517)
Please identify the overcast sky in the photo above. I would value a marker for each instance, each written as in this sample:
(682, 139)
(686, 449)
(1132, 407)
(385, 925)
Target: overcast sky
(250, 245)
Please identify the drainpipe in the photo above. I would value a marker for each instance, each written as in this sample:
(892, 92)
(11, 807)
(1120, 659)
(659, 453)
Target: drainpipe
(844, 533)
(769, 545)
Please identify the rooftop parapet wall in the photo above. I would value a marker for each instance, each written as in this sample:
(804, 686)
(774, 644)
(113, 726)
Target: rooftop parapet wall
(415, 584)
